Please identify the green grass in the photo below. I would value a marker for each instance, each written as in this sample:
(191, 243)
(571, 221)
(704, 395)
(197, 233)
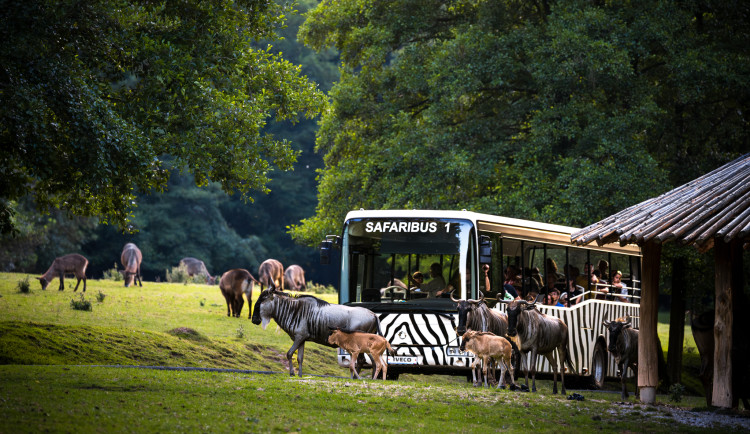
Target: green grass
(132, 327)
(179, 325)
(83, 399)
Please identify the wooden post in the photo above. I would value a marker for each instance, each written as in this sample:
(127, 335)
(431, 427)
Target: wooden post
(648, 360)
(677, 320)
(722, 392)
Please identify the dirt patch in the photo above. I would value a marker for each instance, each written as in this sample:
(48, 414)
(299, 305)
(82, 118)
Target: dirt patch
(715, 419)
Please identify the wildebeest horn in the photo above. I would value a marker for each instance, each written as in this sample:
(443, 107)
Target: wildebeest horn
(481, 296)
(452, 297)
(606, 323)
(628, 320)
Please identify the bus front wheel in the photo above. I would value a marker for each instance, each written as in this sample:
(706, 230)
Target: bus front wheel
(599, 366)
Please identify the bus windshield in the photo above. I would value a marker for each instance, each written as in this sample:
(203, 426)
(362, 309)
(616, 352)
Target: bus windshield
(382, 260)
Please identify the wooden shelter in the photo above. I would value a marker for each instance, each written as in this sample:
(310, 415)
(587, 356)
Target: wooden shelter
(712, 211)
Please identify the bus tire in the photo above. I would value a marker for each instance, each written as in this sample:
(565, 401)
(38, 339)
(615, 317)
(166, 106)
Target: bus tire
(599, 366)
(392, 375)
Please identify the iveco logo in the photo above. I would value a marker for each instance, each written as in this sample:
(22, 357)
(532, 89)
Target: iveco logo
(402, 335)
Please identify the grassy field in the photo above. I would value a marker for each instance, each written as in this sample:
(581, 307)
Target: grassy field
(178, 325)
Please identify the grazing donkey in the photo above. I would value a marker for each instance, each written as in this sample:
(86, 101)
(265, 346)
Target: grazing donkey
(271, 274)
(131, 258)
(359, 342)
(72, 263)
(196, 267)
(294, 276)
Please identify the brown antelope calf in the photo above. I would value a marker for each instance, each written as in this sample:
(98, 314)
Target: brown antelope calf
(72, 263)
(486, 346)
(360, 342)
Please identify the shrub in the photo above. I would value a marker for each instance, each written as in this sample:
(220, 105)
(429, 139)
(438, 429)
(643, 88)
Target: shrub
(81, 304)
(24, 286)
(180, 275)
(240, 333)
(113, 274)
(100, 297)
(676, 391)
(320, 289)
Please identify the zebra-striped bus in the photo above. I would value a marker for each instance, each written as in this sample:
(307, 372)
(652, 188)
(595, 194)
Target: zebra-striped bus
(384, 252)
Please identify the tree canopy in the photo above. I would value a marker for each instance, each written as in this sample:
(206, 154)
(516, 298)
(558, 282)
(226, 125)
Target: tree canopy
(95, 95)
(558, 111)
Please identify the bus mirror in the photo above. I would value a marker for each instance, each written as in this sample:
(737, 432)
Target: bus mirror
(325, 248)
(485, 249)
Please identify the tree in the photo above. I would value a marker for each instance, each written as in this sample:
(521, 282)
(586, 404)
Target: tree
(562, 111)
(94, 95)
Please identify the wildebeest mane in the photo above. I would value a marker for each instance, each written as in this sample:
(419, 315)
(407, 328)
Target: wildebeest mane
(321, 303)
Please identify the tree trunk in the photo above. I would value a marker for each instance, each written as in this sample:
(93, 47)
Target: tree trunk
(648, 362)
(676, 321)
(722, 393)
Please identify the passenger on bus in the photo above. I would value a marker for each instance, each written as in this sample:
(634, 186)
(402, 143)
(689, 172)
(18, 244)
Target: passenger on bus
(619, 289)
(551, 283)
(604, 271)
(583, 280)
(510, 274)
(601, 288)
(551, 266)
(574, 291)
(416, 281)
(564, 299)
(436, 286)
(553, 298)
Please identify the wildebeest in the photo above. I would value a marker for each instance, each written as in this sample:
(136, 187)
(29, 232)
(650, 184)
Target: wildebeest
(196, 267)
(623, 345)
(356, 343)
(307, 318)
(702, 327)
(540, 334)
(131, 258)
(233, 284)
(486, 346)
(271, 274)
(476, 315)
(72, 263)
(294, 276)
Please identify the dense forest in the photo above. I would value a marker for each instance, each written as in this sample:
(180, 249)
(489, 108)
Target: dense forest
(224, 230)
(557, 111)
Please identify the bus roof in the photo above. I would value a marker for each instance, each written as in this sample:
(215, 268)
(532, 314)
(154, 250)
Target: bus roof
(547, 232)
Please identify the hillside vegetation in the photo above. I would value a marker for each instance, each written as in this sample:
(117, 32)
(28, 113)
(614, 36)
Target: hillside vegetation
(164, 324)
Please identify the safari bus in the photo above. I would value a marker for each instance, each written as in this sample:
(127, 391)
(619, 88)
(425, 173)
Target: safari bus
(469, 255)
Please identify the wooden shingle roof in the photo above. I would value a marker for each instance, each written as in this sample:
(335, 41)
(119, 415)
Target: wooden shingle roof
(715, 205)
